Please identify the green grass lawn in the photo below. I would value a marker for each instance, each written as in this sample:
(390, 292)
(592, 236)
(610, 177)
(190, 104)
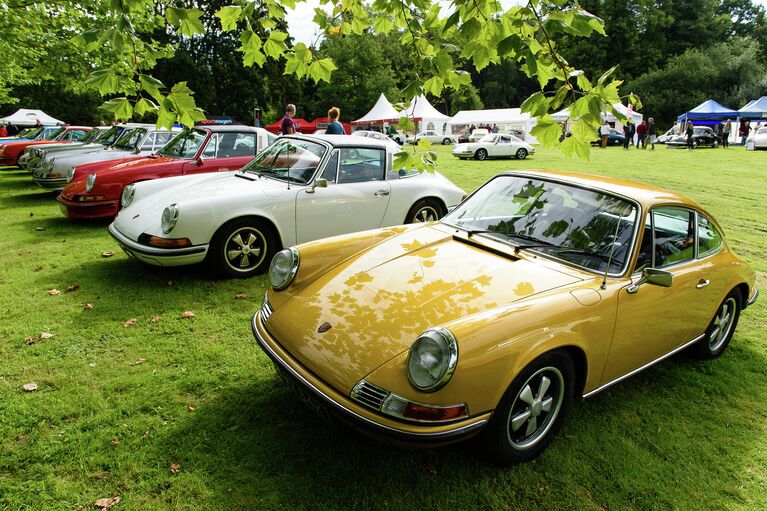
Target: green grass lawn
(117, 406)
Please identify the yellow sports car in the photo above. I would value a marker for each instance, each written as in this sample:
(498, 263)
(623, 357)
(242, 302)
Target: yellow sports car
(540, 287)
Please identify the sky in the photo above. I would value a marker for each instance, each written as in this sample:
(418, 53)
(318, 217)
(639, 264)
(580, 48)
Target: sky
(302, 29)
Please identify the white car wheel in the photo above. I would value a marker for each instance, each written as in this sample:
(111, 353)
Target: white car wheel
(243, 248)
(425, 210)
(521, 153)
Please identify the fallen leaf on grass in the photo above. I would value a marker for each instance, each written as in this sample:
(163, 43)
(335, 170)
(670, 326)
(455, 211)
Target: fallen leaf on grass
(138, 362)
(107, 503)
(155, 319)
(72, 287)
(45, 335)
(129, 323)
(88, 306)
(187, 314)
(30, 387)
(31, 340)
(191, 407)
(240, 296)
(39, 228)
(175, 467)
(107, 254)
(115, 441)
(39, 268)
(168, 284)
(54, 292)
(430, 468)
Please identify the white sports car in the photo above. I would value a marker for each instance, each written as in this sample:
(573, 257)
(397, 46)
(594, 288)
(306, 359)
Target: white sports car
(432, 136)
(494, 145)
(760, 138)
(301, 188)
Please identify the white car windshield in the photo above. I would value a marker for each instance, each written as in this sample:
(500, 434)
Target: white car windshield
(583, 227)
(131, 139)
(184, 145)
(288, 159)
(489, 138)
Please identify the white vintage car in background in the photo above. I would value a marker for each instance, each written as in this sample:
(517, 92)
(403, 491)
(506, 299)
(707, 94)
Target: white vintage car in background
(33, 154)
(301, 188)
(494, 145)
(142, 140)
(760, 138)
(390, 143)
(432, 136)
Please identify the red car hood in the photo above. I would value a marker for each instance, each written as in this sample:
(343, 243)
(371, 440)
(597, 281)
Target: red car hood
(110, 180)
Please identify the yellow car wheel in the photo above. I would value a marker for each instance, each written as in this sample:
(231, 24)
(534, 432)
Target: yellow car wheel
(722, 327)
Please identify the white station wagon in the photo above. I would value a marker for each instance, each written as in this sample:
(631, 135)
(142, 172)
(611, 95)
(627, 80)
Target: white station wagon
(299, 189)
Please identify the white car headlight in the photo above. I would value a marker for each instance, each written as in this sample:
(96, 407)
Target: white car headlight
(70, 174)
(127, 196)
(432, 359)
(283, 268)
(169, 218)
(89, 182)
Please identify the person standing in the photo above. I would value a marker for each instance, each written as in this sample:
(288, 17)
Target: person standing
(3, 131)
(288, 126)
(688, 132)
(726, 130)
(334, 126)
(652, 133)
(604, 132)
(745, 127)
(642, 135)
(626, 136)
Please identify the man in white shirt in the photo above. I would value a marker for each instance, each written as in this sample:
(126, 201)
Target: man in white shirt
(604, 131)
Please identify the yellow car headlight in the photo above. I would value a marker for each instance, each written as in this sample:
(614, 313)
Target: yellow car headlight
(432, 359)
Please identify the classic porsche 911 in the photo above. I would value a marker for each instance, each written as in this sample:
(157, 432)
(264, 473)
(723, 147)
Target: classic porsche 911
(299, 189)
(541, 287)
(10, 152)
(494, 145)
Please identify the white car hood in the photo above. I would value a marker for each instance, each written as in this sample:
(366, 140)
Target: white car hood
(61, 164)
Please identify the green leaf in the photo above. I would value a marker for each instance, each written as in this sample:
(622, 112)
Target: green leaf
(537, 105)
(274, 46)
(186, 20)
(229, 16)
(182, 98)
(152, 85)
(434, 85)
(120, 107)
(303, 53)
(574, 145)
(143, 106)
(383, 25)
(547, 131)
(166, 118)
(105, 80)
(321, 70)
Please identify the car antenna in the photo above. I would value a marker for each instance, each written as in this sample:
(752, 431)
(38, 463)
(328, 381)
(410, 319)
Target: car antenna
(603, 286)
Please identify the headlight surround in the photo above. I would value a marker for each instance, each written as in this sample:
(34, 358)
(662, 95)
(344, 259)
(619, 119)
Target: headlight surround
(90, 181)
(70, 173)
(169, 218)
(283, 268)
(432, 359)
(126, 199)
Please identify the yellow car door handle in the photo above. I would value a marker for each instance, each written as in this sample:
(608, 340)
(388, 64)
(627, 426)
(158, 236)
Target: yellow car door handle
(703, 283)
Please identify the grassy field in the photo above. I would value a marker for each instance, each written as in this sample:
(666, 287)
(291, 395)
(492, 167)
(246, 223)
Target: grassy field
(187, 413)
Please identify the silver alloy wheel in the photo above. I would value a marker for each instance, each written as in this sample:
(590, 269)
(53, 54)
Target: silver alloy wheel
(245, 248)
(521, 154)
(425, 214)
(535, 408)
(723, 321)
(481, 154)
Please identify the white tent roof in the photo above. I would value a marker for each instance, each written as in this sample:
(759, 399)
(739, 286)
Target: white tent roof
(25, 117)
(420, 108)
(564, 115)
(382, 111)
(494, 116)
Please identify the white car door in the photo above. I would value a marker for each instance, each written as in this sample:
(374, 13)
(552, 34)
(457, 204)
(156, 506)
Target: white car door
(356, 198)
(504, 146)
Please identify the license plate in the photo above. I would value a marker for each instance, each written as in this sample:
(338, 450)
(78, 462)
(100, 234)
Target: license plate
(309, 399)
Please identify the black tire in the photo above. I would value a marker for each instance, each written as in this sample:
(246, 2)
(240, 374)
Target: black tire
(234, 236)
(715, 144)
(694, 144)
(445, 141)
(521, 153)
(425, 210)
(508, 445)
(717, 337)
(480, 155)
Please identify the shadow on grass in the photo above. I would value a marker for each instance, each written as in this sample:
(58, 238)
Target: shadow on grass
(29, 199)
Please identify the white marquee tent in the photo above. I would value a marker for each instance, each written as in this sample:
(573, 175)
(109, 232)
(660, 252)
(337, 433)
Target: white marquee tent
(508, 120)
(425, 115)
(382, 112)
(564, 115)
(25, 117)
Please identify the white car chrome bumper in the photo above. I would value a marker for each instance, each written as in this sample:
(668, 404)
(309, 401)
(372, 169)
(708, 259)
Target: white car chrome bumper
(159, 256)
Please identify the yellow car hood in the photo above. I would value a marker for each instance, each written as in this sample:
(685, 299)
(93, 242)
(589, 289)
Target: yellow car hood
(378, 302)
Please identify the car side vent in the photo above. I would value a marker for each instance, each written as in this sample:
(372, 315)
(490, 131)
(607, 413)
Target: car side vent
(369, 395)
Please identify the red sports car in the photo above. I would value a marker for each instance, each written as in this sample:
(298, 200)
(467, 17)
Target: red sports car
(10, 152)
(201, 149)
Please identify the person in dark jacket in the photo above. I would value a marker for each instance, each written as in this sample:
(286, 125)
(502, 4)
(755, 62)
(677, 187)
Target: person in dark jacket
(689, 131)
(626, 135)
(288, 126)
(652, 133)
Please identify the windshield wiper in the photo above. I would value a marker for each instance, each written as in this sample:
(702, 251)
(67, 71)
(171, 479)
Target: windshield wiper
(584, 251)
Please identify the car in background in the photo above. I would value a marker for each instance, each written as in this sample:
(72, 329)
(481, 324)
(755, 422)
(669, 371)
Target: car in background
(299, 189)
(48, 154)
(760, 138)
(10, 152)
(430, 135)
(24, 134)
(201, 150)
(615, 137)
(133, 143)
(477, 134)
(494, 145)
(671, 133)
(33, 154)
(393, 145)
(397, 136)
(702, 136)
(540, 288)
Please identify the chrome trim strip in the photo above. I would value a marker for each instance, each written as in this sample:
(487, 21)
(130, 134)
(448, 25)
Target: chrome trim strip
(442, 435)
(130, 245)
(640, 369)
(753, 298)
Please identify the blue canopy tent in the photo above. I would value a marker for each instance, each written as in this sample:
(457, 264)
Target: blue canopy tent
(709, 111)
(754, 109)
